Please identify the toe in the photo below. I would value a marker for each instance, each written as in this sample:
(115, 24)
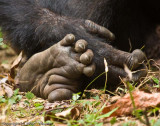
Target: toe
(86, 58)
(58, 79)
(80, 46)
(68, 40)
(89, 70)
(140, 73)
(60, 94)
(137, 58)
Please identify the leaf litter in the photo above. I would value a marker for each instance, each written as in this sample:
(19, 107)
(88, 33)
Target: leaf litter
(97, 109)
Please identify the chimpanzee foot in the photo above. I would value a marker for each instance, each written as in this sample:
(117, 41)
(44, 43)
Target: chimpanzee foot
(57, 73)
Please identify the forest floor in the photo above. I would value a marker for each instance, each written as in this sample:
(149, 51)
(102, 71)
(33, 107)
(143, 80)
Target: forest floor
(132, 104)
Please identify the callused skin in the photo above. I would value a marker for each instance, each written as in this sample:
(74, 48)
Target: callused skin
(55, 74)
(37, 25)
(58, 72)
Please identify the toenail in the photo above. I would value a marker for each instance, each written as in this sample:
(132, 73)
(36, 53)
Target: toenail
(82, 46)
(70, 38)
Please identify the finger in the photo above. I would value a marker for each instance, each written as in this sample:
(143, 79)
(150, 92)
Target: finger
(68, 40)
(86, 58)
(97, 29)
(80, 46)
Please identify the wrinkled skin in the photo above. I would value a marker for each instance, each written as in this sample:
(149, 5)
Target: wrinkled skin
(55, 73)
(37, 25)
(58, 72)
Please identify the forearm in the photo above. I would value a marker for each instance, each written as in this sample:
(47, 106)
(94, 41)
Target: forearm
(31, 27)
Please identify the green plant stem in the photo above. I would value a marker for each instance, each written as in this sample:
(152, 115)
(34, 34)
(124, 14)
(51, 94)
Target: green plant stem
(93, 81)
(134, 106)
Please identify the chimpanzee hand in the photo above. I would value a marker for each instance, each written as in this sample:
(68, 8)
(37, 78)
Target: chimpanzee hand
(56, 73)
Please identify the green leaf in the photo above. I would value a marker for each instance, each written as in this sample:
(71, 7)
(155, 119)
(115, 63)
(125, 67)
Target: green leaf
(29, 95)
(96, 98)
(1, 33)
(155, 80)
(157, 123)
(90, 118)
(1, 96)
(131, 87)
(99, 124)
(156, 86)
(130, 123)
(49, 122)
(152, 122)
(4, 46)
(15, 92)
(39, 106)
(2, 100)
(5, 62)
(81, 121)
(18, 97)
(75, 97)
(27, 102)
(12, 101)
(1, 40)
(113, 120)
(107, 114)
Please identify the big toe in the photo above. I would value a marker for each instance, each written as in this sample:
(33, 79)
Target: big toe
(137, 58)
(87, 57)
(60, 94)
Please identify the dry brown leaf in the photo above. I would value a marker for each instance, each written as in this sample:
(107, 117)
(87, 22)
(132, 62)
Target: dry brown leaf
(10, 79)
(158, 61)
(34, 119)
(3, 80)
(6, 66)
(15, 65)
(8, 90)
(114, 98)
(59, 124)
(4, 89)
(3, 116)
(73, 113)
(17, 61)
(65, 113)
(49, 106)
(40, 100)
(142, 101)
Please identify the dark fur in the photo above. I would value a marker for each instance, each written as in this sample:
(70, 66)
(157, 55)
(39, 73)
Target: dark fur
(23, 21)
